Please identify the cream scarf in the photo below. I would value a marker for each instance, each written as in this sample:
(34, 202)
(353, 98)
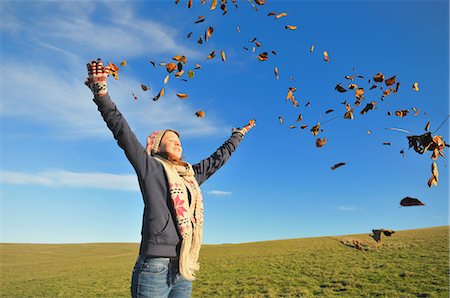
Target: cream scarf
(189, 218)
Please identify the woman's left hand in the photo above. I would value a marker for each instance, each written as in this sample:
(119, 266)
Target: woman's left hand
(245, 129)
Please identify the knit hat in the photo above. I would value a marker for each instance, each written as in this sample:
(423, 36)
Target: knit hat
(154, 140)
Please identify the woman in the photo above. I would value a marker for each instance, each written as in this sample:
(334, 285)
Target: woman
(173, 214)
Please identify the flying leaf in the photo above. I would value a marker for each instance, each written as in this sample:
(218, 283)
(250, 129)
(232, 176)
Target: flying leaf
(415, 86)
(299, 118)
(200, 19)
(272, 13)
(280, 119)
(379, 77)
(113, 70)
(359, 93)
(273, 52)
(208, 33)
(320, 143)
(434, 175)
(238, 29)
(401, 113)
(189, 35)
(275, 70)
(290, 27)
(368, 107)
(182, 95)
(171, 67)
(339, 88)
(179, 74)
(211, 55)
(280, 15)
(200, 114)
(257, 44)
(307, 104)
(402, 152)
(222, 53)
(289, 95)
(123, 63)
(315, 129)
(427, 126)
(213, 5)
(166, 79)
(390, 81)
(334, 167)
(408, 201)
(200, 40)
(251, 122)
(189, 4)
(153, 63)
(292, 126)
(349, 113)
(351, 78)
(329, 111)
(197, 66)
(417, 112)
(134, 96)
(260, 2)
(303, 126)
(191, 74)
(160, 94)
(325, 56)
(263, 56)
(180, 58)
(387, 143)
(368, 132)
(145, 88)
(373, 86)
(311, 49)
(352, 86)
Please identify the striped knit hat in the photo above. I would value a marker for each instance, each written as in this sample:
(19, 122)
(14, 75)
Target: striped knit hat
(154, 140)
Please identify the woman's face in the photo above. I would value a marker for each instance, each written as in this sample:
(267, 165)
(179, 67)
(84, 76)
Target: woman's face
(170, 143)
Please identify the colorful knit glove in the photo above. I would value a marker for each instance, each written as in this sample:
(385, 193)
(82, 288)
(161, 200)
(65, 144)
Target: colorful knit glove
(97, 77)
(242, 131)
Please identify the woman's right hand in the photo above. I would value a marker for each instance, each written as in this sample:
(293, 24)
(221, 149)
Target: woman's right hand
(97, 77)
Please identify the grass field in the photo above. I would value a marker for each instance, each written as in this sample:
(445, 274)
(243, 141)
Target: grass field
(413, 263)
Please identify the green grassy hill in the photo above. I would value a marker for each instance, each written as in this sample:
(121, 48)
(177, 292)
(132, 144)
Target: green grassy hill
(413, 263)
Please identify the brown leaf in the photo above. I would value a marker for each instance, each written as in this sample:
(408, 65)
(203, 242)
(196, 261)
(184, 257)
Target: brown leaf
(352, 86)
(171, 67)
(153, 63)
(434, 175)
(359, 93)
(200, 114)
(160, 94)
(292, 126)
(303, 126)
(251, 122)
(311, 49)
(123, 63)
(191, 74)
(208, 33)
(200, 19)
(325, 56)
(275, 70)
(290, 27)
(134, 96)
(211, 55)
(272, 13)
(320, 143)
(213, 5)
(289, 95)
(427, 126)
(339, 88)
(387, 143)
(197, 66)
(145, 88)
(417, 112)
(329, 111)
(180, 58)
(200, 40)
(349, 113)
(166, 79)
(280, 119)
(180, 73)
(379, 77)
(263, 56)
(401, 113)
(368, 107)
(315, 129)
(415, 86)
(182, 95)
(390, 81)
(280, 15)
(222, 53)
(351, 78)
(408, 201)
(337, 165)
(373, 86)
(260, 2)
(189, 4)
(299, 118)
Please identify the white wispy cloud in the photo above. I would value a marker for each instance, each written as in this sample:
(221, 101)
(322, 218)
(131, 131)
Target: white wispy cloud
(220, 193)
(61, 178)
(46, 85)
(348, 208)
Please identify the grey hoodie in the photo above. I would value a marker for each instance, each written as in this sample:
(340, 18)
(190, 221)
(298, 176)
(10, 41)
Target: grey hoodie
(160, 236)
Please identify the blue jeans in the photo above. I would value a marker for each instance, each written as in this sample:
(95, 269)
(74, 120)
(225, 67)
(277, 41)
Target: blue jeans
(158, 277)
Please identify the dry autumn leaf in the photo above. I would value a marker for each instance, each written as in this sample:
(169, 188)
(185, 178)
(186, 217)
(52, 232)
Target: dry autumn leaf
(180, 73)
(208, 33)
(339, 88)
(329, 111)
(415, 86)
(182, 95)
(213, 5)
(292, 126)
(222, 53)
(315, 129)
(160, 94)
(359, 93)
(417, 112)
(197, 66)
(171, 67)
(123, 63)
(427, 126)
(401, 113)
(368, 107)
(334, 167)
(275, 70)
(434, 175)
(260, 2)
(325, 56)
(134, 96)
(290, 27)
(379, 77)
(320, 143)
(280, 119)
(200, 40)
(272, 13)
(349, 113)
(408, 201)
(166, 79)
(280, 15)
(390, 81)
(200, 19)
(251, 122)
(311, 49)
(113, 70)
(299, 118)
(263, 56)
(152, 62)
(191, 74)
(180, 58)
(211, 55)
(144, 87)
(200, 114)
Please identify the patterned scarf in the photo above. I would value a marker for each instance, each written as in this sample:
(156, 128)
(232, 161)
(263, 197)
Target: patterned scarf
(189, 217)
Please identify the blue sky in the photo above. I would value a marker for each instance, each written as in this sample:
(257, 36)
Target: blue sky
(65, 180)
